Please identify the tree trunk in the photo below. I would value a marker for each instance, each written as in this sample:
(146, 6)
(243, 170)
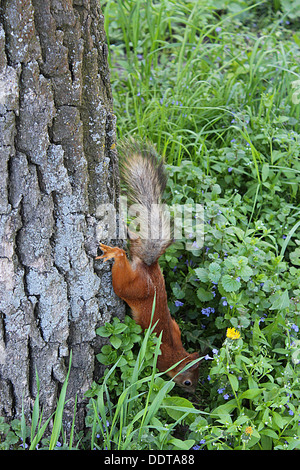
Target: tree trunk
(57, 165)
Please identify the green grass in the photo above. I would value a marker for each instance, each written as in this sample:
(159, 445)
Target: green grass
(181, 74)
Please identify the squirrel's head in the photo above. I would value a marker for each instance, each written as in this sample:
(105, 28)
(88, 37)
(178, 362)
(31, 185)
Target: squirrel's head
(188, 379)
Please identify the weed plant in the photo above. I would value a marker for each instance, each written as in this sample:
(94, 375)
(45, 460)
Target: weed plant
(216, 86)
(132, 408)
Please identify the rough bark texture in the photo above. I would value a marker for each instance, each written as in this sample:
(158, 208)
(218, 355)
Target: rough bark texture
(57, 164)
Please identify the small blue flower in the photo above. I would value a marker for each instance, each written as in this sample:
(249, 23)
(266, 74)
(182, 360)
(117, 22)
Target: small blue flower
(22, 445)
(221, 390)
(197, 446)
(178, 303)
(207, 357)
(226, 396)
(229, 169)
(295, 328)
(291, 413)
(207, 311)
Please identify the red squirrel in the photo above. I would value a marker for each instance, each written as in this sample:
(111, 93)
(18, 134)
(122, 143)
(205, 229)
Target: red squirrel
(136, 280)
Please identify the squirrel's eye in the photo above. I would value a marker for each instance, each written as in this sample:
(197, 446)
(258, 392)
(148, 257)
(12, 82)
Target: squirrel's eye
(187, 383)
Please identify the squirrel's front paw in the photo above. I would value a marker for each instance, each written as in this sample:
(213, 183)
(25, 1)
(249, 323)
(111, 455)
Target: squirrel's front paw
(110, 252)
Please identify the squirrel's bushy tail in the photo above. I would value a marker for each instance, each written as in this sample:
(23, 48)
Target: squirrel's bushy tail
(144, 177)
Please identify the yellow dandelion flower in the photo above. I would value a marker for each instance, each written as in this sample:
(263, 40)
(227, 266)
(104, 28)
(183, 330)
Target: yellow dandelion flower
(232, 333)
(249, 431)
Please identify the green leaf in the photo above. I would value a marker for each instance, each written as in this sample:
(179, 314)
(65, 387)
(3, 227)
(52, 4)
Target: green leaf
(230, 284)
(233, 382)
(119, 328)
(296, 39)
(177, 402)
(278, 419)
(245, 272)
(214, 267)
(214, 272)
(251, 393)
(216, 189)
(179, 444)
(177, 291)
(270, 433)
(266, 442)
(202, 274)
(220, 322)
(231, 262)
(280, 300)
(225, 409)
(103, 331)
(295, 257)
(203, 295)
(265, 171)
(106, 349)
(258, 336)
(135, 338)
(115, 341)
(103, 359)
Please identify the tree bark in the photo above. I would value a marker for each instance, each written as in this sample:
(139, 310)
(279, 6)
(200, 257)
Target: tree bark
(57, 165)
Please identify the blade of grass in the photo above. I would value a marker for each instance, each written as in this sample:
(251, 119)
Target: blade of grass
(40, 433)
(73, 425)
(287, 240)
(157, 349)
(141, 356)
(36, 409)
(59, 410)
(23, 426)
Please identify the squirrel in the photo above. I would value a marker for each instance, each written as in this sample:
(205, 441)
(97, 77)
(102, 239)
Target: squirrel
(138, 279)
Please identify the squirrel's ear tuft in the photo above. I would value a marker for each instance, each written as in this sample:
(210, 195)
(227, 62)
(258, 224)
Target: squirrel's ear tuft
(192, 357)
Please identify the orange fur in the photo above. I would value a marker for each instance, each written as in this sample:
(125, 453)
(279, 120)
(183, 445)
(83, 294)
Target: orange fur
(136, 282)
